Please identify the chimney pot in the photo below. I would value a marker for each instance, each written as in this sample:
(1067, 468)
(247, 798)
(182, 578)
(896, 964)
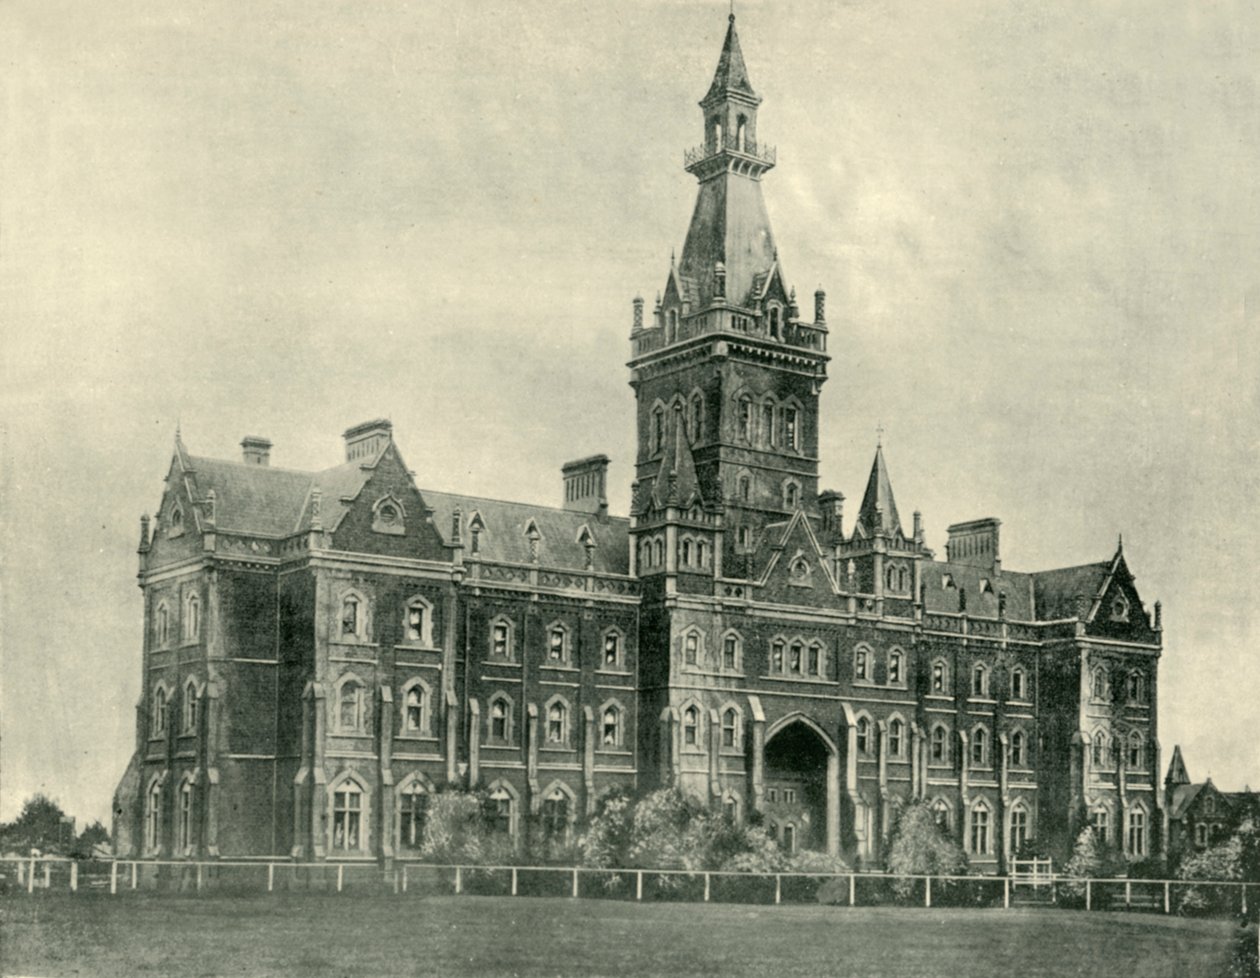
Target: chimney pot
(820, 306)
(586, 485)
(367, 439)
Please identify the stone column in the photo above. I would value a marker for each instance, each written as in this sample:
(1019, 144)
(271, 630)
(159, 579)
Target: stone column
(758, 786)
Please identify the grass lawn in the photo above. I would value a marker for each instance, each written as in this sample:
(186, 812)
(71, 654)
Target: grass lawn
(321, 935)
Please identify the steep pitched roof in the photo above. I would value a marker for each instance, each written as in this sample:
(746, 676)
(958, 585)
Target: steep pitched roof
(878, 500)
(1182, 798)
(1056, 591)
(677, 482)
(504, 537)
(944, 582)
(1177, 773)
(732, 73)
(251, 498)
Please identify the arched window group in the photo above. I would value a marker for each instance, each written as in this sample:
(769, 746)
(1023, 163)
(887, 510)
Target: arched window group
(798, 657)
(897, 578)
(768, 424)
(192, 618)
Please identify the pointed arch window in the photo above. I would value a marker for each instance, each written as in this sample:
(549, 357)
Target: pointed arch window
(980, 680)
(671, 326)
(746, 419)
(791, 494)
(745, 488)
(658, 553)
(941, 814)
(1098, 751)
(184, 817)
(980, 829)
(153, 816)
(894, 668)
(418, 622)
(501, 811)
(1137, 751)
(940, 676)
(1019, 749)
(702, 554)
(730, 728)
(500, 720)
(685, 547)
(691, 648)
(1137, 832)
(940, 745)
(613, 646)
(557, 723)
(192, 618)
(777, 649)
(415, 708)
(791, 429)
(1018, 834)
(159, 711)
(896, 737)
(347, 820)
(353, 626)
(796, 658)
(1101, 822)
(413, 815)
(862, 664)
(767, 424)
(817, 660)
(863, 737)
(191, 708)
(351, 706)
(697, 417)
(501, 639)
(1019, 684)
(691, 727)
(557, 644)
(1101, 685)
(610, 726)
(162, 625)
(658, 429)
(730, 652)
(980, 747)
(1137, 688)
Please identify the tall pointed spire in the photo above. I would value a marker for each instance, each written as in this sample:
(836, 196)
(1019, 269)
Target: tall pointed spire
(677, 482)
(1177, 773)
(879, 509)
(731, 74)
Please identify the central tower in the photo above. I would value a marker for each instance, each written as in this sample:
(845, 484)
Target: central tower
(726, 373)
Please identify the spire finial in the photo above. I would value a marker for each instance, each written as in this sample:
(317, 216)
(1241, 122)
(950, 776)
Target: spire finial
(1120, 542)
(879, 435)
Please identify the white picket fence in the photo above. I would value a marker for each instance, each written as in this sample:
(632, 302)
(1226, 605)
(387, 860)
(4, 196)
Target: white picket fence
(120, 876)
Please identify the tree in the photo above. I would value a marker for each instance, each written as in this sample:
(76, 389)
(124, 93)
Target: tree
(41, 825)
(920, 847)
(1090, 859)
(92, 836)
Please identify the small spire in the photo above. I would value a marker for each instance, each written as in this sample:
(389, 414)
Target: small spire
(1120, 543)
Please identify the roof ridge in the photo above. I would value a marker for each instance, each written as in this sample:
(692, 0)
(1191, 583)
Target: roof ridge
(517, 502)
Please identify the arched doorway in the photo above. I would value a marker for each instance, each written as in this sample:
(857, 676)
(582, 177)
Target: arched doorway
(800, 798)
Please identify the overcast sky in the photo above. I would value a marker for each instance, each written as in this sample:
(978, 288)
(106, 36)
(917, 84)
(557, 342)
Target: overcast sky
(1038, 226)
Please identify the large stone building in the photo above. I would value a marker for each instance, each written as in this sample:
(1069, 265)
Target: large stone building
(323, 649)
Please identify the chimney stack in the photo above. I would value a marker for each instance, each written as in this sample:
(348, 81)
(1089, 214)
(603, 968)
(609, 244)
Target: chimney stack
(820, 306)
(831, 504)
(586, 485)
(638, 313)
(256, 451)
(367, 439)
(975, 543)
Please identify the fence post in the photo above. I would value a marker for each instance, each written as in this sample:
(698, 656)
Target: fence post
(1128, 893)
(575, 882)
(1006, 893)
(135, 874)
(927, 891)
(199, 867)
(405, 868)
(852, 888)
(74, 877)
(1087, 895)
(706, 887)
(271, 877)
(1167, 903)
(1244, 900)
(513, 881)
(47, 875)
(341, 869)
(459, 881)
(113, 877)
(778, 888)
(638, 885)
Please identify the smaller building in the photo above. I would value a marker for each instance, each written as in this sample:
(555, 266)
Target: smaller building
(1201, 815)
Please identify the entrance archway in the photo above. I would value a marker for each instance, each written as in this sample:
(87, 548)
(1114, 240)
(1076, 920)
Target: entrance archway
(801, 789)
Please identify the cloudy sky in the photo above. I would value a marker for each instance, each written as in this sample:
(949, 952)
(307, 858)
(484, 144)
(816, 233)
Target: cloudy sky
(1038, 225)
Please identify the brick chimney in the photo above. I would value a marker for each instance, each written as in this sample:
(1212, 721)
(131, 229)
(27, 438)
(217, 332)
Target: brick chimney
(975, 543)
(255, 450)
(586, 485)
(365, 440)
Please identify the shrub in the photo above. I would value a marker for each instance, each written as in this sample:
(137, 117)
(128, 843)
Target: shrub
(1221, 862)
(920, 847)
(1090, 859)
(458, 830)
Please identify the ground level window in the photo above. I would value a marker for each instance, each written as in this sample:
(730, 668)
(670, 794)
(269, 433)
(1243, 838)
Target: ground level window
(500, 812)
(185, 815)
(555, 816)
(1102, 824)
(980, 831)
(789, 838)
(1137, 833)
(413, 816)
(1019, 830)
(347, 817)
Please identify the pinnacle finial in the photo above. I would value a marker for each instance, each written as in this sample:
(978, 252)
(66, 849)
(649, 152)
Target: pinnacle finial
(879, 435)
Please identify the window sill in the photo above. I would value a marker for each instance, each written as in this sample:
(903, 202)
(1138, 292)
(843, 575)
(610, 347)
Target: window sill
(354, 643)
(489, 746)
(413, 736)
(416, 647)
(981, 700)
(505, 663)
(559, 668)
(556, 749)
(624, 673)
(614, 752)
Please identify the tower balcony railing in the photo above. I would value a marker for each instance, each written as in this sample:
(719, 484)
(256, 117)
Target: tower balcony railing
(741, 146)
(802, 336)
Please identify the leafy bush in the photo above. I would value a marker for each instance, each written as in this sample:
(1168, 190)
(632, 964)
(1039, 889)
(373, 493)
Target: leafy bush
(920, 847)
(458, 830)
(1091, 858)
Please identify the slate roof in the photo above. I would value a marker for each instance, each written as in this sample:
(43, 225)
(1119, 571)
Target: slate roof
(732, 73)
(878, 495)
(938, 597)
(1183, 796)
(251, 498)
(503, 538)
(1056, 591)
